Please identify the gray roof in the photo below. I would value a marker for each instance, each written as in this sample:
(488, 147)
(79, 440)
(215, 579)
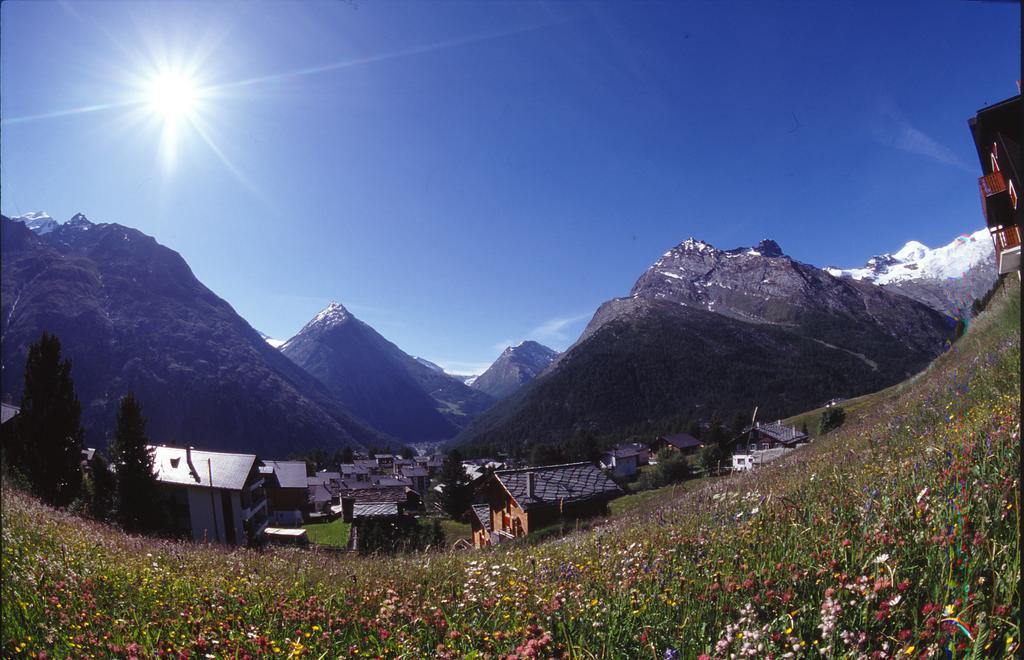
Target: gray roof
(375, 494)
(623, 453)
(351, 468)
(229, 471)
(780, 432)
(483, 514)
(290, 474)
(319, 493)
(324, 474)
(572, 482)
(391, 481)
(415, 472)
(368, 463)
(8, 411)
(682, 441)
(374, 510)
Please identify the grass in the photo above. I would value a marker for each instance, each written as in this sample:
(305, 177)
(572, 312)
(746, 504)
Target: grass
(895, 535)
(332, 534)
(455, 530)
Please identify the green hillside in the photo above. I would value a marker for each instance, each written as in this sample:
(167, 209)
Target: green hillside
(898, 533)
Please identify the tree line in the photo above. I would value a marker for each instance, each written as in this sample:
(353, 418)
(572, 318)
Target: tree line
(43, 449)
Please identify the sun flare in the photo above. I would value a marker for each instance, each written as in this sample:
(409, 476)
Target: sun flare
(172, 95)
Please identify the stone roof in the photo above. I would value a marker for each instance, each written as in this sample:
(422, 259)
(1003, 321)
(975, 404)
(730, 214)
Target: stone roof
(375, 494)
(415, 472)
(374, 510)
(483, 514)
(290, 474)
(780, 431)
(171, 465)
(552, 484)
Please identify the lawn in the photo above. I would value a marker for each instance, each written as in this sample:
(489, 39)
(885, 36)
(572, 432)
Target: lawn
(333, 534)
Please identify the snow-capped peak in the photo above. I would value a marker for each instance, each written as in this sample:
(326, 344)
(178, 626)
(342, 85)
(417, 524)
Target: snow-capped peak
(912, 251)
(333, 314)
(917, 261)
(693, 244)
(38, 221)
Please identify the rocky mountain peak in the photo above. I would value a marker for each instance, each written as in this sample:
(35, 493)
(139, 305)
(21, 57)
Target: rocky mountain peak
(78, 221)
(334, 314)
(768, 248)
(516, 366)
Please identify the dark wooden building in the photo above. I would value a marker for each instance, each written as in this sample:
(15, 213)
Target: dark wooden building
(684, 443)
(515, 502)
(996, 132)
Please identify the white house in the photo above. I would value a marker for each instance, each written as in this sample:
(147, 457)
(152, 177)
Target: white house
(215, 496)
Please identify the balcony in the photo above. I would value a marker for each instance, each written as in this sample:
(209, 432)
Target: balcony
(995, 200)
(1007, 240)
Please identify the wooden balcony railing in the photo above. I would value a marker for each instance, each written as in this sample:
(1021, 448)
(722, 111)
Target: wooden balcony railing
(992, 184)
(1006, 238)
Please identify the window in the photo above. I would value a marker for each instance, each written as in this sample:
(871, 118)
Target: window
(1013, 193)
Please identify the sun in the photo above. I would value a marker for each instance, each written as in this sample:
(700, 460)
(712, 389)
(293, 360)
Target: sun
(172, 95)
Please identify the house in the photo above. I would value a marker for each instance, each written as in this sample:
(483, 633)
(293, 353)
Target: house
(385, 462)
(432, 463)
(524, 500)
(353, 472)
(684, 443)
(368, 464)
(419, 477)
(215, 496)
(996, 132)
(742, 462)
(319, 496)
(622, 462)
(774, 435)
(643, 452)
(287, 491)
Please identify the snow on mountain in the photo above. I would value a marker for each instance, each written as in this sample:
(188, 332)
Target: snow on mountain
(38, 221)
(276, 343)
(915, 261)
(427, 363)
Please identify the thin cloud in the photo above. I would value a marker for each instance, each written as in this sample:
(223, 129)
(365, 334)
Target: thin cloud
(462, 368)
(892, 130)
(556, 329)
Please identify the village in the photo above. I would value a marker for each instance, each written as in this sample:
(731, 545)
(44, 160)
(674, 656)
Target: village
(242, 499)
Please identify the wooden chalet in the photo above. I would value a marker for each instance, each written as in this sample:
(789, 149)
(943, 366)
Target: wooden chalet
(684, 443)
(287, 489)
(774, 435)
(996, 130)
(515, 502)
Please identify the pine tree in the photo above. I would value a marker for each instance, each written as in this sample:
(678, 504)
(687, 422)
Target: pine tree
(458, 494)
(48, 444)
(102, 485)
(136, 503)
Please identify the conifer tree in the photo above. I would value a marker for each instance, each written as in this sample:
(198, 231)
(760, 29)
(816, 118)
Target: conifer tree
(136, 503)
(101, 487)
(458, 494)
(48, 443)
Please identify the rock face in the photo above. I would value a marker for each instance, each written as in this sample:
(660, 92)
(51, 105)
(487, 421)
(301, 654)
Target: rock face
(132, 317)
(707, 331)
(516, 366)
(949, 278)
(407, 397)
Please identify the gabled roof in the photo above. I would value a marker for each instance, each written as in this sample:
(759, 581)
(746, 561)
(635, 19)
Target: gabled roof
(552, 484)
(391, 481)
(622, 452)
(367, 463)
(374, 510)
(352, 468)
(780, 432)
(324, 474)
(415, 472)
(318, 492)
(229, 471)
(483, 514)
(290, 474)
(682, 441)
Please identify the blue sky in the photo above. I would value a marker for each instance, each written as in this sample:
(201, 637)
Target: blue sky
(467, 175)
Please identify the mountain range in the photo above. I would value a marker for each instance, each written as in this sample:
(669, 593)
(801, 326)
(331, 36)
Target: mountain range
(131, 316)
(708, 332)
(947, 278)
(703, 332)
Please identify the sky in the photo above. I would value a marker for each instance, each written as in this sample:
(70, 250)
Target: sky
(464, 176)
